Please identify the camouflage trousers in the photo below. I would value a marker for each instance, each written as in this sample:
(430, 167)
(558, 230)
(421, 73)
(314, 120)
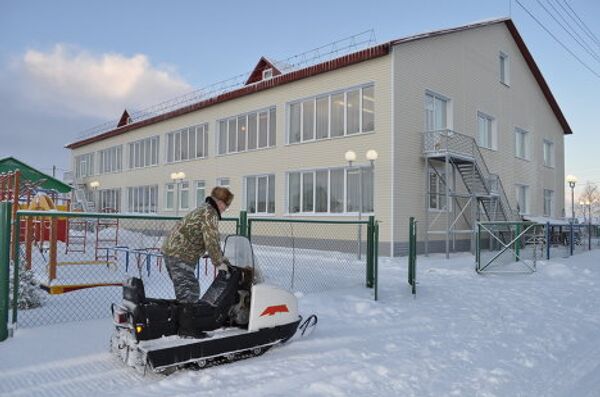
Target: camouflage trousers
(184, 279)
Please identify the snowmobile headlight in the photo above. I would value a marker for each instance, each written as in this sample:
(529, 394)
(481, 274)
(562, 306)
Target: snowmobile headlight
(138, 329)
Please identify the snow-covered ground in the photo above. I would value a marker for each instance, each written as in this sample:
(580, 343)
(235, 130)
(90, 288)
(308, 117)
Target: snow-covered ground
(464, 335)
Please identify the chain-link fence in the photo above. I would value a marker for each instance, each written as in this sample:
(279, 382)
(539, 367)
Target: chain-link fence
(71, 265)
(314, 255)
(510, 245)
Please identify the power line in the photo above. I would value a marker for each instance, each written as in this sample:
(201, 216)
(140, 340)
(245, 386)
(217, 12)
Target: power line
(590, 50)
(557, 40)
(584, 28)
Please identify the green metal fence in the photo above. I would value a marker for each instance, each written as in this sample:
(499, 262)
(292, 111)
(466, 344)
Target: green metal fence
(316, 255)
(412, 254)
(5, 224)
(69, 266)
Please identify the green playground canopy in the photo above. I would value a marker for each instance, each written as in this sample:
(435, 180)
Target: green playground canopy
(28, 173)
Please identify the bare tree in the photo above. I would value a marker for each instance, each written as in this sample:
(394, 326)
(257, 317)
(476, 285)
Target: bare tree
(589, 196)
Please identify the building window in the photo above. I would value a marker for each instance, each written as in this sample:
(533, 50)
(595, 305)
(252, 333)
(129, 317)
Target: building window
(111, 159)
(335, 190)
(142, 199)
(143, 153)
(170, 196)
(548, 153)
(486, 126)
(184, 196)
(251, 131)
(187, 144)
(523, 199)
(437, 189)
(109, 199)
(223, 182)
(84, 165)
(342, 113)
(267, 74)
(521, 144)
(200, 193)
(548, 202)
(260, 194)
(504, 68)
(436, 112)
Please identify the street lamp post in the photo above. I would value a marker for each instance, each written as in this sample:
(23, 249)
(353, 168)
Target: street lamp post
(350, 157)
(572, 181)
(177, 177)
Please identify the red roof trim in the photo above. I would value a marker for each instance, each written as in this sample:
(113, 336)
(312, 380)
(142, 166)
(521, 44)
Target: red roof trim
(347, 60)
(360, 56)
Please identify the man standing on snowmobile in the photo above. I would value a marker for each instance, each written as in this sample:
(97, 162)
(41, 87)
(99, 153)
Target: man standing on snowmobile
(195, 234)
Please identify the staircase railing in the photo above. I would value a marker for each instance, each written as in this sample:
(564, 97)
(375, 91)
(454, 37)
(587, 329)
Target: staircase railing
(454, 143)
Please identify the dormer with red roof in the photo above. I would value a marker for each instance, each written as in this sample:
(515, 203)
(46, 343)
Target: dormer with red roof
(263, 70)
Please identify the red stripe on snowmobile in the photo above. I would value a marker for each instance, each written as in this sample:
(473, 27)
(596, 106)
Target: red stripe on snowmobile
(272, 310)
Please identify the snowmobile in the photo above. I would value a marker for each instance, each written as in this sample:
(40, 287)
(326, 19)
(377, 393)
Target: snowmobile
(236, 318)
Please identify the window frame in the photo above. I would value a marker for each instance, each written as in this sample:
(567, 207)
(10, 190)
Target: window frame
(526, 189)
(551, 153)
(313, 99)
(314, 172)
(271, 136)
(504, 68)
(526, 142)
(136, 199)
(142, 148)
(550, 214)
(200, 130)
(439, 185)
(268, 191)
(493, 131)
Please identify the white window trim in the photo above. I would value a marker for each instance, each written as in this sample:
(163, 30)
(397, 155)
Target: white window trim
(245, 195)
(246, 114)
(328, 213)
(100, 162)
(314, 98)
(449, 108)
(504, 56)
(219, 180)
(440, 184)
(205, 139)
(167, 191)
(494, 126)
(149, 139)
(552, 154)
(527, 143)
(527, 209)
(551, 214)
(197, 187)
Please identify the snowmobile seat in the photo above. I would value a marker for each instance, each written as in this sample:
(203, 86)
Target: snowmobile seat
(210, 312)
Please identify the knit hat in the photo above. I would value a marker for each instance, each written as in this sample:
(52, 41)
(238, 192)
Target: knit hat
(223, 194)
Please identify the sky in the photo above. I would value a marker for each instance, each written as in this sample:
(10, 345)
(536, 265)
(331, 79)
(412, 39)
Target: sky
(66, 66)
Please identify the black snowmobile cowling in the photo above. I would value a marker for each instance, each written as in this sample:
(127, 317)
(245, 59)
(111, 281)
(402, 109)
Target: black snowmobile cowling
(146, 329)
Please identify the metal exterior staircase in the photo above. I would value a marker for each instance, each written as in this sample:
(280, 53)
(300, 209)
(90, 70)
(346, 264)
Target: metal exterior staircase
(464, 155)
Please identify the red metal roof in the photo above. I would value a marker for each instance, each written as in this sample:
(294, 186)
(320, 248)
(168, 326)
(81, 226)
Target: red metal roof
(327, 66)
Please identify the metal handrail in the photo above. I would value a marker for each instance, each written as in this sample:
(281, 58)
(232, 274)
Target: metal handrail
(449, 141)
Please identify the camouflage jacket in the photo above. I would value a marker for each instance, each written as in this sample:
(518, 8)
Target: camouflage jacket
(195, 234)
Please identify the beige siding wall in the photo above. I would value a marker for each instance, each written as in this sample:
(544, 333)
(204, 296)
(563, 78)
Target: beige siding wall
(278, 160)
(465, 68)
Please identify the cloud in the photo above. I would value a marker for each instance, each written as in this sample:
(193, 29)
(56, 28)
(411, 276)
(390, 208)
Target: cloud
(73, 81)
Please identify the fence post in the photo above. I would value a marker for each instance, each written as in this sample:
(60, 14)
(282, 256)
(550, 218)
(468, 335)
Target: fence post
(518, 242)
(370, 228)
(548, 240)
(478, 248)
(5, 247)
(412, 254)
(249, 229)
(571, 236)
(376, 258)
(243, 223)
(590, 235)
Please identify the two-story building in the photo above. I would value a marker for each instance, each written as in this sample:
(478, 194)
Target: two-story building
(462, 121)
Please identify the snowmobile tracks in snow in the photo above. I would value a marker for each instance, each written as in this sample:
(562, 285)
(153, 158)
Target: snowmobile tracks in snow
(75, 377)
